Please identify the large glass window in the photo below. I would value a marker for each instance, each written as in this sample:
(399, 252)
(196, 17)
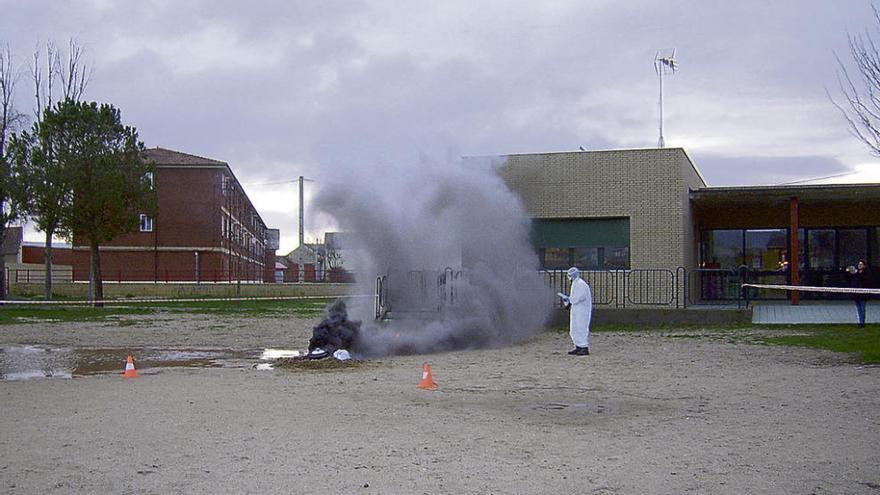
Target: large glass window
(556, 259)
(853, 246)
(722, 248)
(587, 243)
(875, 246)
(821, 249)
(586, 258)
(616, 258)
(765, 248)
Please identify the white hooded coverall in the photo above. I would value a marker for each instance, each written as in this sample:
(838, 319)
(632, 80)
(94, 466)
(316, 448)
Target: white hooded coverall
(581, 299)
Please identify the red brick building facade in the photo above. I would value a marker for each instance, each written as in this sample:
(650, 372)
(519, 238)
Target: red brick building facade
(205, 229)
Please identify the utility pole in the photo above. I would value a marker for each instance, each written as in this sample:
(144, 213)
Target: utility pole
(302, 246)
(301, 206)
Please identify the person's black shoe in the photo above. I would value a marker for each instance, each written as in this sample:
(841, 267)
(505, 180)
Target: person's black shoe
(584, 351)
(574, 351)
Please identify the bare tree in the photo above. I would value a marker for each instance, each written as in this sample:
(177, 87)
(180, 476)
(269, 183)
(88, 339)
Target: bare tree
(9, 119)
(49, 185)
(72, 75)
(860, 103)
(43, 81)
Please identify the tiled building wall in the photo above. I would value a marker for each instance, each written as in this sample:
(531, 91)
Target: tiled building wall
(649, 186)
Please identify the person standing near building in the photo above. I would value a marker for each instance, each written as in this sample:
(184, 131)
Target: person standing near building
(580, 301)
(862, 278)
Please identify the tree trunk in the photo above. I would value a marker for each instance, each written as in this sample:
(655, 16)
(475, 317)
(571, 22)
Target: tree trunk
(2, 265)
(96, 285)
(48, 259)
(2, 277)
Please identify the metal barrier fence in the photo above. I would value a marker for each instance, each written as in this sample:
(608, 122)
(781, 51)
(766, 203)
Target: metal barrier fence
(38, 276)
(677, 288)
(380, 304)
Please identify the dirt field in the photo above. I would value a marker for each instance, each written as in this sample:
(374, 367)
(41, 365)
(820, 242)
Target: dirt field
(645, 413)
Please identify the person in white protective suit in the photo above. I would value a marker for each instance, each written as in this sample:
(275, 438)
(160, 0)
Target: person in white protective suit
(580, 301)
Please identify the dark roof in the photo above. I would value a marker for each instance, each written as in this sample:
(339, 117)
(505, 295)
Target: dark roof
(12, 241)
(164, 156)
(769, 195)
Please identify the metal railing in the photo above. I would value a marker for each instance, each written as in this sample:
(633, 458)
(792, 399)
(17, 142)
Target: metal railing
(713, 286)
(651, 288)
(678, 288)
(380, 304)
(38, 276)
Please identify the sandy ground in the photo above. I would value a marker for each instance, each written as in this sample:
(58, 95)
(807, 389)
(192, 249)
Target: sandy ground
(645, 413)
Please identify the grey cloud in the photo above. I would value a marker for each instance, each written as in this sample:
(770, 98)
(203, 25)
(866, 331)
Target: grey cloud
(380, 82)
(758, 170)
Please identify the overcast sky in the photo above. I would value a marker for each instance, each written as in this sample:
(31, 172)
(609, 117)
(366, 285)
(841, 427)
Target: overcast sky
(280, 89)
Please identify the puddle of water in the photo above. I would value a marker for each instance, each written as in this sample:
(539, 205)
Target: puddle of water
(25, 362)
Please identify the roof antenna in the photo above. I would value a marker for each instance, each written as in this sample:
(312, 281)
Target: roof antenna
(663, 65)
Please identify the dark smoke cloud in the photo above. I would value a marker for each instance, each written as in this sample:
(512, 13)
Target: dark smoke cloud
(336, 331)
(416, 223)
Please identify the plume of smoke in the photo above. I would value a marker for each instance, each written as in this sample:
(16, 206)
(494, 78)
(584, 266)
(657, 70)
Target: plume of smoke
(411, 223)
(336, 331)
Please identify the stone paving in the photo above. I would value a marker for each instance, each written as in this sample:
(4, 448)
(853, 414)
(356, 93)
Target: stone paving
(820, 312)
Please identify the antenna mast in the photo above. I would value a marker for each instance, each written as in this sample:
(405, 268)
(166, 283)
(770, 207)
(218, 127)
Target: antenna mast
(663, 65)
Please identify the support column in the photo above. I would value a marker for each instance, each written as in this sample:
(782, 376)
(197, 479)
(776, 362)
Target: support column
(794, 262)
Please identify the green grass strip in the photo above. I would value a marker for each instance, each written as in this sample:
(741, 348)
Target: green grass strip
(10, 314)
(863, 342)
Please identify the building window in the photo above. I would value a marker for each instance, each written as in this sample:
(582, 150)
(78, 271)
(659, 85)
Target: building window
(766, 248)
(146, 223)
(722, 248)
(615, 258)
(853, 246)
(555, 259)
(585, 257)
(874, 236)
(587, 243)
(821, 249)
(148, 178)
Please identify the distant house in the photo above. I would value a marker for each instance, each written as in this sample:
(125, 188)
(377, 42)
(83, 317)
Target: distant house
(343, 249)
(206, 229)
(304, 264)
(279, 271)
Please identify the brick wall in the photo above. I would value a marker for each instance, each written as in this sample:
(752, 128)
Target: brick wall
(37, 254)
(191, 210)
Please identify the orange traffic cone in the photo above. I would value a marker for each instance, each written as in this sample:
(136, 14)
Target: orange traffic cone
(129, 368)
(427, 379)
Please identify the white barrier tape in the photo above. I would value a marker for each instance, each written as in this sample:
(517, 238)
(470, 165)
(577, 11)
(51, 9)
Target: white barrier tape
(809, 288)
(172, 300)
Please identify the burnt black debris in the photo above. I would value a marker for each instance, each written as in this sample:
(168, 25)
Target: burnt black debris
(336, 331)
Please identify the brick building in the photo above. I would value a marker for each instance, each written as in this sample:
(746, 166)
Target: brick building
(650, 209)
(608, 209)
(206, 229)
